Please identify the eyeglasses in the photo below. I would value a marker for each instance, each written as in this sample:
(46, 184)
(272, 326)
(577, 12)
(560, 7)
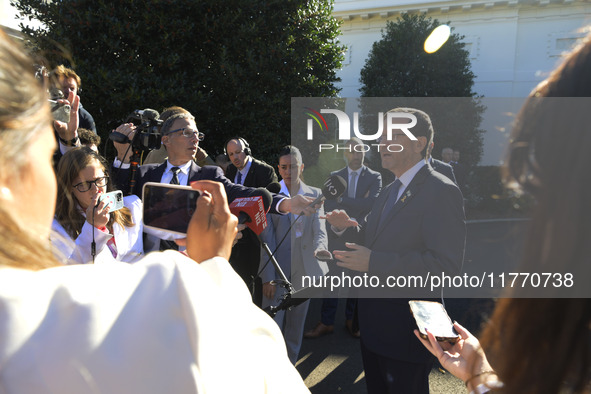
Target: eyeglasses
(188, 133)
(85, 186)
(394, 138)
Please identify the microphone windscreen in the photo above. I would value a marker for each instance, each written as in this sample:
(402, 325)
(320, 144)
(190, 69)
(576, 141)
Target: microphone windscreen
(274, 187)
(265, 195)
(252, 212)
(334, 187)
(151, 114)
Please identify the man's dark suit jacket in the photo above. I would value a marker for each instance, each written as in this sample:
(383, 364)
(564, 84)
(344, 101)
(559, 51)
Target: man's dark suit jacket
(460, 172)
(444, 169)
(260, 174)
(247, 251)
(153, 173)
(424, 232)
(369, 184)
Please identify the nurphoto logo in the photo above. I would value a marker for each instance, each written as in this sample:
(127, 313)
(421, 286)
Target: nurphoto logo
(393, 120)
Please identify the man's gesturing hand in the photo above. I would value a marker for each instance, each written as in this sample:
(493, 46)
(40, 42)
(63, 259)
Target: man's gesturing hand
(212, 228)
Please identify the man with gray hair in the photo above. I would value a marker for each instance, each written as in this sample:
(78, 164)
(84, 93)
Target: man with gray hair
(181, 138)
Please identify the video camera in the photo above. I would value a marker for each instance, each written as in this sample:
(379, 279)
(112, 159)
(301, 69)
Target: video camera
(147, 136)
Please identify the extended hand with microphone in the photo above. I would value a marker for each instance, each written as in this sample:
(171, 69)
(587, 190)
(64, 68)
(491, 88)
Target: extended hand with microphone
(333, 188)
(252, 210)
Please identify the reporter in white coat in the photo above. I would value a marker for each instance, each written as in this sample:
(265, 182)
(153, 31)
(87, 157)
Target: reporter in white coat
(166, 324)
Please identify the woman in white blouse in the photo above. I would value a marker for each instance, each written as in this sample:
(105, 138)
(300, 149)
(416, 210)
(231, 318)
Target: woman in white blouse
(82, 179)
(170, 323)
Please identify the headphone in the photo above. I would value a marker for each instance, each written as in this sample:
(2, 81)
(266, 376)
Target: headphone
(245, 149)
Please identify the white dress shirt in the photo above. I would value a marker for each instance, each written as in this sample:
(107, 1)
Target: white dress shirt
(243, 172)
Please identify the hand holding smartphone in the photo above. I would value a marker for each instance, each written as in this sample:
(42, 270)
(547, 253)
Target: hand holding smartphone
(114, 200)
(168, 207)
(433, 316)
(323, 255)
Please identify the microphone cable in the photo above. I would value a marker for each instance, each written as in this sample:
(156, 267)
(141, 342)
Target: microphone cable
(93, 244)
(279, 244)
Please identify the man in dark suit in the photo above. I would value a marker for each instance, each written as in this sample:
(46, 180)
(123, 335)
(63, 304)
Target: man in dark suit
(363, 186)
(459, 170)
(181, 139)
(248, 171)
(416, 227)
(440, 166)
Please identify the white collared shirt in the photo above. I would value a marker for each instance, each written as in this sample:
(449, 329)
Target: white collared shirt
(358, 172)
(244, 171)
(409, 175)
(183, 174)
(299, 226)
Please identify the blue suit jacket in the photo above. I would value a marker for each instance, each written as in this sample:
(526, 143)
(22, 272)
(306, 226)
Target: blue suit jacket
(443, 168)
(368, 187)
(424, 232)
(153, 173)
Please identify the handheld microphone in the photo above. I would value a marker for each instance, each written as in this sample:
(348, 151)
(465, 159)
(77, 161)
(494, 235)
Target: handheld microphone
(273, 187)
(252, 210)
(333, 188)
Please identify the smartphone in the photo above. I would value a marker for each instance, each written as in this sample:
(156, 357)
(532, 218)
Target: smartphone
(433, 316)
(169, 207)
(114, 200)
(59, 111)
(324, 255)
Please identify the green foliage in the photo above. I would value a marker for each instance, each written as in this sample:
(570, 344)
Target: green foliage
(487, 197)
(398, 66)
(234, 64)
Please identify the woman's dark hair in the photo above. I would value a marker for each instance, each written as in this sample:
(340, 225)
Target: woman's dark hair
(543, 345)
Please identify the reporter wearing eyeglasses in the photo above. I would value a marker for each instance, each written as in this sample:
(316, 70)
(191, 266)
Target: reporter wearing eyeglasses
(81, 218)
(181, 137)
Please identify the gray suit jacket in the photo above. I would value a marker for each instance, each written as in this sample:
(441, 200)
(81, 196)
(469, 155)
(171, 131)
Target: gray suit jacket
(313, 238)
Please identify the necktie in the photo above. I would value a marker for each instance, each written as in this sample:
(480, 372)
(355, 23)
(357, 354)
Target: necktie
(175, 178)
(352, 185)
(239, 178)
(391, 201)
(165, 245)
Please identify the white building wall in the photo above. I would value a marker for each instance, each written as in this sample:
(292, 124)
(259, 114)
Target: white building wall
(513, 44)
